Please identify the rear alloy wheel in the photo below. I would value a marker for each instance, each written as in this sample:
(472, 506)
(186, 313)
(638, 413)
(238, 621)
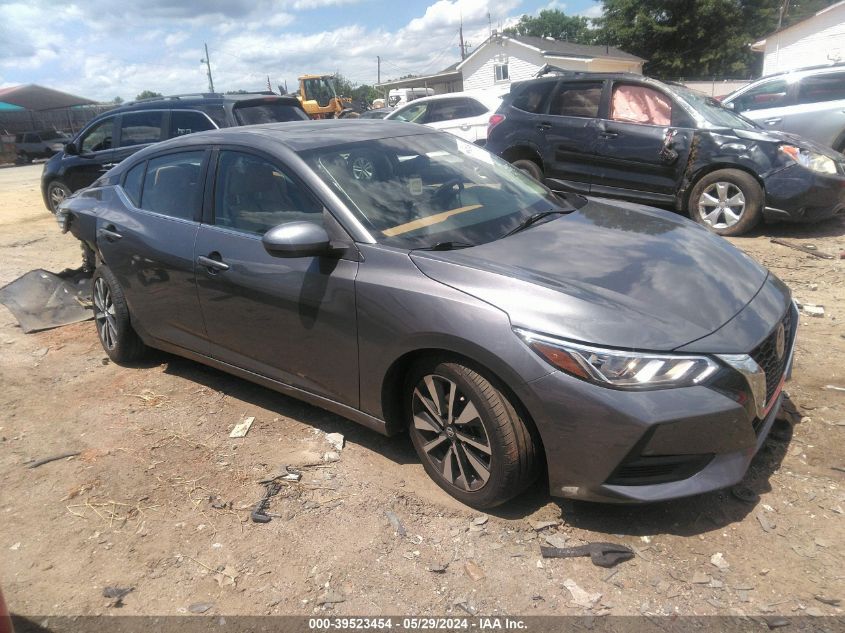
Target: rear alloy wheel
(468, 435)
(111, 315)
(56, 193)
(529, 167)
(727, 201)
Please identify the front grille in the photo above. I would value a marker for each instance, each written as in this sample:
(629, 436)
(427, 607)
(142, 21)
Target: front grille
(765, 354)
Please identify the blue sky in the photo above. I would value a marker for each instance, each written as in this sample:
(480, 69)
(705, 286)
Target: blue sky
(101, 49)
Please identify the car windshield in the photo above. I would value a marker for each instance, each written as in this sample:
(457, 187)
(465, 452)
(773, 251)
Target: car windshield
(431, 190)
(714, 113)
(264, 112)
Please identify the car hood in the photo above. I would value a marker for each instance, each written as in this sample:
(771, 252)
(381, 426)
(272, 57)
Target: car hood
(774, 136)
(614, 274)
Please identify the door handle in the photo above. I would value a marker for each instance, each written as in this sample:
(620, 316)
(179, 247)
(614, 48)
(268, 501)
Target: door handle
(109, 165)
(213, 265)
(544, 125)
(608, 134)
(774, 121)
(109, 234)
(465, 127)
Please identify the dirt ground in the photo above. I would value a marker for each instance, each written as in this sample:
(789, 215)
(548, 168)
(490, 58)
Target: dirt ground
(160, 496)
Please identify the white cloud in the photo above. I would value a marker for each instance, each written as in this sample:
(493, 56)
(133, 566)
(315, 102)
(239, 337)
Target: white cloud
(593, 11)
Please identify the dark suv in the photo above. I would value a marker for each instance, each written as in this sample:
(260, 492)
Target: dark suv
(626, 136)
(121, 132)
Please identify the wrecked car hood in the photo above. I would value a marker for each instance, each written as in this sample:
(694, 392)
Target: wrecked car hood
(615, 274)
(774, 136)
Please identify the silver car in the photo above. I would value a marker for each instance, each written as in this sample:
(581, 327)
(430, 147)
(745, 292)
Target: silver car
(808, 102)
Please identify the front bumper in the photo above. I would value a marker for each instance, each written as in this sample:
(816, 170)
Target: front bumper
(797, 194)
(628, 447)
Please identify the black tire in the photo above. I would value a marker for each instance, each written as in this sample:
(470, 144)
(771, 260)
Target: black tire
(111, 316)
(493, 425)
(529, 167)
(56, 192)
(740, 195)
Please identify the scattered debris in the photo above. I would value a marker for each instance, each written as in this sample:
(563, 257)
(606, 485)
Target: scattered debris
(480, 520)
(226, 575)
(438, 568)
(54, 458)
(556, 539)
(719, 561)
(776, 622)
(330, 597)
(812, 310)
(764, 522)
(538, 526)
(272, 487)
(579, 596)
(602, 554)
(395, 523)
(200, 607)
(834, 388)
(242, 427)
(15, 547)
(336, 440)
(473, 570)
(700, 578)
(463, 604)
(810, 249)
(833, 602)
(116, 594)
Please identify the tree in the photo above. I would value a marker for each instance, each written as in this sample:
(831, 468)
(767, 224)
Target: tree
(697, 38)
(117, 100)
(147, 94)
(556, 24)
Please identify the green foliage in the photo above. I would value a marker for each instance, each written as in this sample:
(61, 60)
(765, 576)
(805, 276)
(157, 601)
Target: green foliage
(148, 94)
(117, 100)
(345, 88)
(556, 24)
(697, 38)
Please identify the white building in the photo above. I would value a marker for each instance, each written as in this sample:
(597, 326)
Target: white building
(816, 40)
(502, 59)
(506, 58)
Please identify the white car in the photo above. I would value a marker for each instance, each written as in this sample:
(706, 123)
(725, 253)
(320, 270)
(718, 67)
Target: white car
(464, 114)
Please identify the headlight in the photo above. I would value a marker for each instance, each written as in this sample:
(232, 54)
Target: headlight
(811, 160)
(619, 368)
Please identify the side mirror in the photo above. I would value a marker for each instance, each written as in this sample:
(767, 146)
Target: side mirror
(71, 149)
(729, 106)
(297, 239)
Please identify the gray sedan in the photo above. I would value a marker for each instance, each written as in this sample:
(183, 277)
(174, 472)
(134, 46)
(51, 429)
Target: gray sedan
(411, 281)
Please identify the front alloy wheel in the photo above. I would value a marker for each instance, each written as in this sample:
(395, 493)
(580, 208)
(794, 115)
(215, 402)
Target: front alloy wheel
(455, 441)
(468, 433)
(721, 205)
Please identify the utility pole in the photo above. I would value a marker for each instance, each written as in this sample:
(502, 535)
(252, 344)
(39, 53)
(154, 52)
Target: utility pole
(463, 48)
(207, 63)
(378, 57)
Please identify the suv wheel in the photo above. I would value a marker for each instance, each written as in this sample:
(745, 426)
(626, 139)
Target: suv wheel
(727, 201)
(56, 192)
(467, 433)
(111, 315)
(529, 167)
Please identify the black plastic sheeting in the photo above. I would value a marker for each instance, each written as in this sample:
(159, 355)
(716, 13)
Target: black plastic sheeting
(41, 300)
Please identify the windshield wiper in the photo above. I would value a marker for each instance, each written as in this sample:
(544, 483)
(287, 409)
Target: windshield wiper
(531, 220)
(445, 246)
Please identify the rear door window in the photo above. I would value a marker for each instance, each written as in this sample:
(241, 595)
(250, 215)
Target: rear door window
(769, 94)
(132, 182)
(451, 109)
(141, 128)
(640, 104)
(252, 113)
(98, 138)
(414, 113)
(579, 99)
(172, 185)
(187, 121)
(533, 98)
(818, 88)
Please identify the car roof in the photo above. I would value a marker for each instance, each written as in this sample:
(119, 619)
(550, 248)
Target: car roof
(487, 97)
(178, 102)
(803, 72)
(299, 136)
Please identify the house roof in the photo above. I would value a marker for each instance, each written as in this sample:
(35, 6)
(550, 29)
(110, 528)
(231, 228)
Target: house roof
(34, 97)
(447, 74)
(558, 48)
(760, 45)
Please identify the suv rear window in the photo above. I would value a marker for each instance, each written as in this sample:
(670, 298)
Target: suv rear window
(141, 128)
(533, 98)
(826, 87)
(187, 121)
(577, 99)
(252, 112)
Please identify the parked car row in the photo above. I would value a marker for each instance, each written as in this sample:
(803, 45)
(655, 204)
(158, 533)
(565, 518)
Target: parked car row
(39, 144)
(413, 282)
(119, 133)
(634, 138)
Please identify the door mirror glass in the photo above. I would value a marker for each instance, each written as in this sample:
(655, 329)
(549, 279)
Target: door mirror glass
(70, 148)
(729, 106)
(297, 239)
